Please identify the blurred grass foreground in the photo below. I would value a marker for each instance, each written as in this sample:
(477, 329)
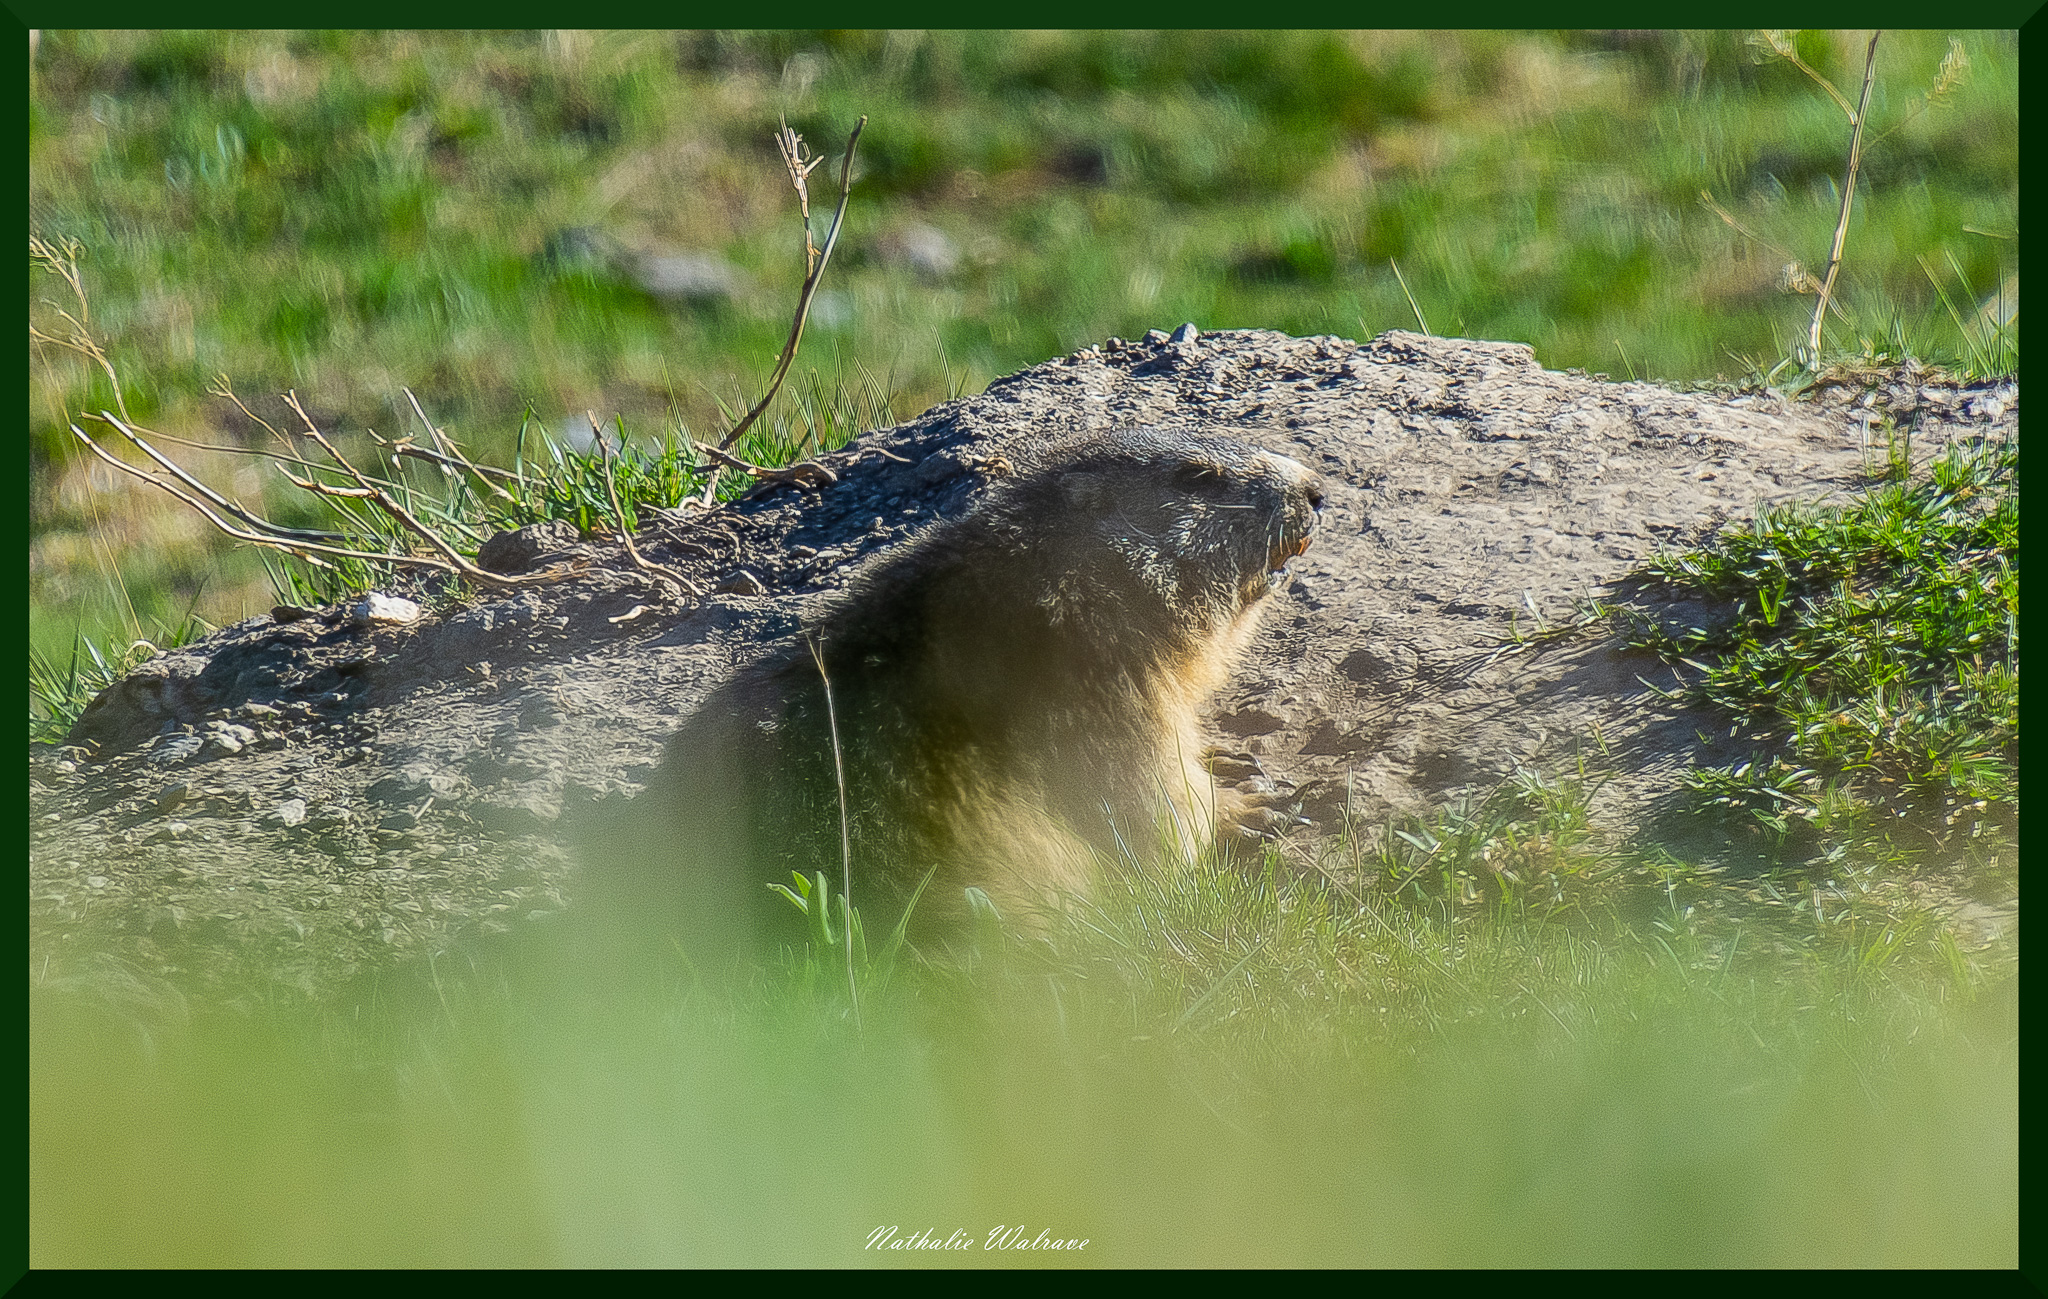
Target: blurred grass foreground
(523, 225)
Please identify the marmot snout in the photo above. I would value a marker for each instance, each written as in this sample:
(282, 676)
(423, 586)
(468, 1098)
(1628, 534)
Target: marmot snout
(1016, 692)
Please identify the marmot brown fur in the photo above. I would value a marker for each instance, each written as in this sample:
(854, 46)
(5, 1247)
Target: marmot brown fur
(1016, 693)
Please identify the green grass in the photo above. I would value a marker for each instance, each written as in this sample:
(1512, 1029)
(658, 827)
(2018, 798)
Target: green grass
(345, 213)
(1871, 651)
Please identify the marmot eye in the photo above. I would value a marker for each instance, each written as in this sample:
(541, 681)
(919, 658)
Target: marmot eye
(1200, 475)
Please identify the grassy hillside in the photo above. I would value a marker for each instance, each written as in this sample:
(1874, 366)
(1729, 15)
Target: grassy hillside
(480, 217)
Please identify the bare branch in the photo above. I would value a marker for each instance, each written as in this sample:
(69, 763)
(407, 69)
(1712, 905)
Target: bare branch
(306, 550)
(414, 451)
(367, 488)
(253, 520)
(815, 260)
(804, 473)
(311, 546)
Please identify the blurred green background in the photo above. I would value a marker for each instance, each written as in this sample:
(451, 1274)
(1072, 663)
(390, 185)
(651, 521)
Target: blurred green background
(566, 220)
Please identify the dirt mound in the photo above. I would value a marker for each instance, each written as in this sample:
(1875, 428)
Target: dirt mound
(320, 794)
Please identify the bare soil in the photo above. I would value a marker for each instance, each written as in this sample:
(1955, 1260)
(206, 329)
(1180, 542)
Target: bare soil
(312, 799)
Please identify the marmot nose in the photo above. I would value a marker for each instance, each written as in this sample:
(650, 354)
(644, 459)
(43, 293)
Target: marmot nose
(1315, 494)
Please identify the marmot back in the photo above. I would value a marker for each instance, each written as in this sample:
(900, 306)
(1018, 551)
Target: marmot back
(1016, 693)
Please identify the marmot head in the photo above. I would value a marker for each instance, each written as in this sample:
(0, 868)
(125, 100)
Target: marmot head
(1175, 529)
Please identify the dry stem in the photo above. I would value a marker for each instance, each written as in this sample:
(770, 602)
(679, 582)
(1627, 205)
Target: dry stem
(804, 473)
(449, 451)
(845, 831)
(800, 167)
(1827, 288)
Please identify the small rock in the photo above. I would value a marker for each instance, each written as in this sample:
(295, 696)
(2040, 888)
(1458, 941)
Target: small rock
(289, 613)
(96, 881)
(688, 277)
(1988, 407)
(379, 610)
(226, 737)
(175, 748)
(1155, 336)
(517, 552)
(290, 812)
(743, 583)
(253, 711)
(1185, 334)
(420, 780)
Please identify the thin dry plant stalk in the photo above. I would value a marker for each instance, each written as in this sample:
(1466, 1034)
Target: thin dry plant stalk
(315, 547)
(1827, 288)
(800, 167)
(371, 490)
(804, 473)
(449, 452)
(845, 831)
(1848, 197)
(270, 535)
(1781, 44)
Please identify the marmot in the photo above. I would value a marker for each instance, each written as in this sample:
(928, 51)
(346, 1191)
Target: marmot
(1016, 695)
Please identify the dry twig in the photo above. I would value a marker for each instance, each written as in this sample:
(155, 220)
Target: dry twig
(373, 491)
(804, 473)
(449, 453)
(268, 535)
(800, 167)
(1781, 45)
